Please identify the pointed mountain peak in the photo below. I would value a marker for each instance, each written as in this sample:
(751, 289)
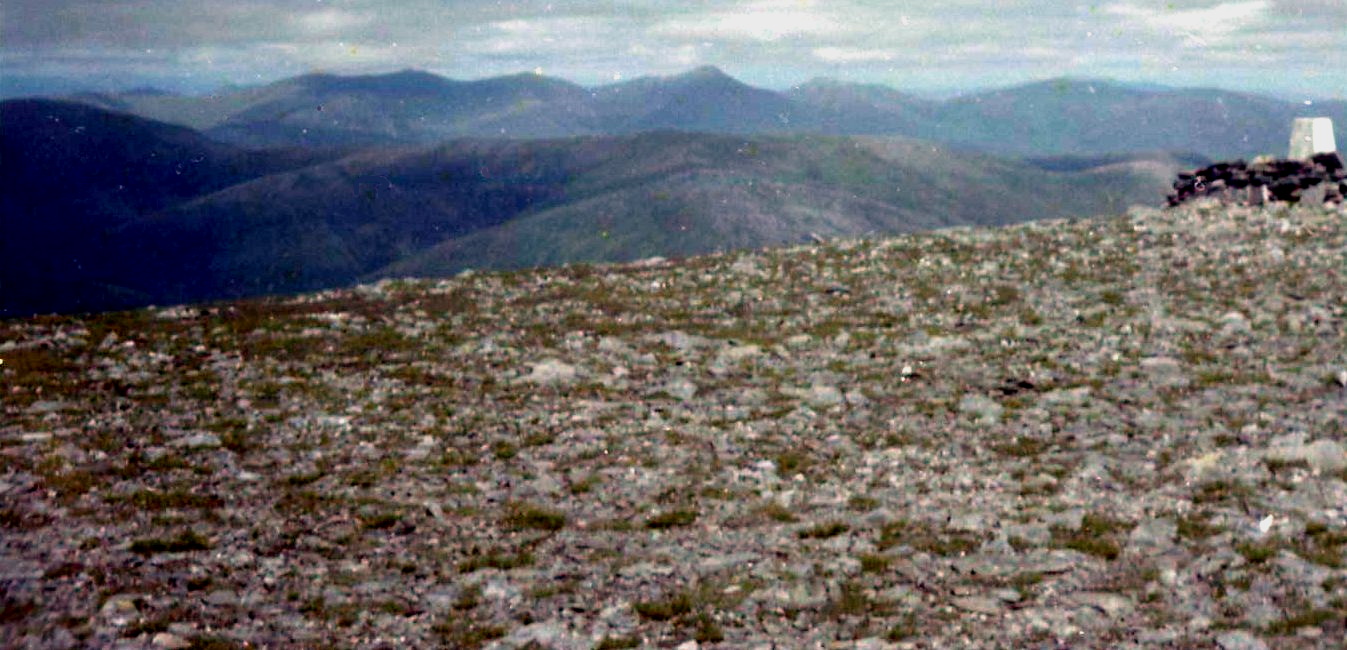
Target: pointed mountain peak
(705, 74)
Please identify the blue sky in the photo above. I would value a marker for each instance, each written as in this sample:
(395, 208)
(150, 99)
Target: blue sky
(1291, 48)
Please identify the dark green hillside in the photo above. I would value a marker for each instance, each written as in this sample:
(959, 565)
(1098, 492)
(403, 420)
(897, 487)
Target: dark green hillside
(73, 173)
(326, 225)
(513, 203)
(707, 193)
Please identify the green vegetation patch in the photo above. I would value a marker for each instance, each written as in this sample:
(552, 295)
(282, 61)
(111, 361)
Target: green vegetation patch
(671, 519)
(1023, 447)
(187, 540)
(1196, 526)
(618, 643)
(666, 608)
(520, 515)
(496, 559)
(1098, 535)
(458, 633)
(824, 530)
(1258, 552)
(1222, 491)
(927, 537)
(153, 500)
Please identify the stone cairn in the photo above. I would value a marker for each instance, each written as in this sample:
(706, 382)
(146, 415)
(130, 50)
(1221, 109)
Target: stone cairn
(1312, 172)
(1322, 177)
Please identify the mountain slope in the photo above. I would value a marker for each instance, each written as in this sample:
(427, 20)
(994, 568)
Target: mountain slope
(507, 204)
(73, 173)
(848, 108)
(1098, 117)
(730, 193)
(704, 99)
(326, 225)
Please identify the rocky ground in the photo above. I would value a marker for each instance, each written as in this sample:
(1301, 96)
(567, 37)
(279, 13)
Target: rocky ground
(1098, 433)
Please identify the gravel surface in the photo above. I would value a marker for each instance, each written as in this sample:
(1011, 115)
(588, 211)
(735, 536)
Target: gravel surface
(1097, 433)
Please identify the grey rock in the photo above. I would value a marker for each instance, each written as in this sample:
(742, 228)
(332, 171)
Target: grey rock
(970, 522)
(202, 440)
(982, 408)
(550, 371)
(549, 634)
(1321, 455)
(978, 604)
(48, 406)
(679, 388)
(170, 641)
(222, 598)
(1239, 640)
(1111, 604)
(823, 396)
(1151, 536)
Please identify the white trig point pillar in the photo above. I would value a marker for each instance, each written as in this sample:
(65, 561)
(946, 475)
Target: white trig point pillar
(1311, 135)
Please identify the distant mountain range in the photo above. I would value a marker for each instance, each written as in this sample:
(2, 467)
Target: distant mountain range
(1054, 117)
(104, 209)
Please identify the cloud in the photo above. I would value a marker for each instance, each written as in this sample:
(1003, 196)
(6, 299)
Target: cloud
(851, 54)
(780, 42)
(768, 20)
(1201, 26)
(329, 22)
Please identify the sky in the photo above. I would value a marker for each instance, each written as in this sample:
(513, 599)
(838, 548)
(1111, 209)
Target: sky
(1289, 48)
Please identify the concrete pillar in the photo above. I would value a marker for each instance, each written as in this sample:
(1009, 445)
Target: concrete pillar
(1311, 135)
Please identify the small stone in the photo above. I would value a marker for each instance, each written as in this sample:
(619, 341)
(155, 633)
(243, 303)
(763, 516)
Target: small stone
(170, 641)
(1164, 371)
(1320, 455)
(1239, 640)
(972, 522)
(681, 389)
(199, 441)
(978, 604)
(738, 353)
(549, 634)
(1151, 535)
(222, 598)
(48, 406)
(1113, 605)
(823, 396)
(981, 407)
(550, 371)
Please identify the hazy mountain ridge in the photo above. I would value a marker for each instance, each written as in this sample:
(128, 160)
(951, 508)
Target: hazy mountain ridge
(1052, 117)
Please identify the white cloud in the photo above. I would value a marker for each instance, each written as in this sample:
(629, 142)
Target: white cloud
(851, 54)
(328, 22)
(764, 21)
(764, 42)
(1201, 26)
(534, 37)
